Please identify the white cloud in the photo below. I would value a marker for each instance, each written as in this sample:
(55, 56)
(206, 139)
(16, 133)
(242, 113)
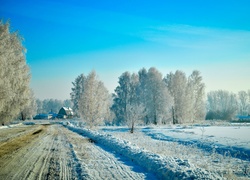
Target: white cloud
(192, 37)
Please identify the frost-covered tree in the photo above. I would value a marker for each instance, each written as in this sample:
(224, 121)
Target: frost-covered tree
(127, 105)
(221, 105)
(188, 94)
(14, 74)
(94, 102)
(177, 85)
(159, 101)
(135, 113)
(30, 110)
(110, 116)
(145, 92)
(122, 98)
(244, 105)
(77, 91)
(135, 110)
(196, 95)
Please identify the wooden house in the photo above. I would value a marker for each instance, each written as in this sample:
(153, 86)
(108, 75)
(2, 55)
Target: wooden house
(65, 113)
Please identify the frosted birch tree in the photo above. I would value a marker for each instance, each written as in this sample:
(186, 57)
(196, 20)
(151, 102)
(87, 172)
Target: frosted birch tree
(177, 85)
(159, 101)
(77, 91)
(196, 95)
(14, 74)
(188, 94)
(122, 98)
(135, 110)
(94, 101)
(135, 113)
(143, 92)
(126, 106)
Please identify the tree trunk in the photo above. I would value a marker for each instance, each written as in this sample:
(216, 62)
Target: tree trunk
(132, 128)
(175, 121)
(22, 117)
(155, 120)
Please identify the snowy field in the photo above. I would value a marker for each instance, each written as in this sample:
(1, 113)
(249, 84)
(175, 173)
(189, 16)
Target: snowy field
(200, 151)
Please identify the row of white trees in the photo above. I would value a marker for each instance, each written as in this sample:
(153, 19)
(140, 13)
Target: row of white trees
(144, 97)
(154, 99)
(147, 97)
(15, 93)
(226, 105)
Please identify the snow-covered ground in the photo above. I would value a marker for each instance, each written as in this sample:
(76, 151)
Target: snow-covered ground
(221, 139)
(154, 152)
(181, 151)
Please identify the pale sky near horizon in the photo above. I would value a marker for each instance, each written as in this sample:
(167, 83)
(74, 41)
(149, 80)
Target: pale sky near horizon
(67, 38)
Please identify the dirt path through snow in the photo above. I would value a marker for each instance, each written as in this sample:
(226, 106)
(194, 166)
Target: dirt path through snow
(54, 152)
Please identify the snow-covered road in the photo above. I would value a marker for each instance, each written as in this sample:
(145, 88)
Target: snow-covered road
(54, 152)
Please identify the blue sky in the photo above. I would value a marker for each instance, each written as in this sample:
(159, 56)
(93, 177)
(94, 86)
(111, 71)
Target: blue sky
(67, 38)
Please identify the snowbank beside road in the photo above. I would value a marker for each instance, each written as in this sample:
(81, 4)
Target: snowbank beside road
(164, 168)
(10, 126)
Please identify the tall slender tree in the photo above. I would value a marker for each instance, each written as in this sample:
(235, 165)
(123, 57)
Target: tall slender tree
(159, 101)
(177, 85)
(135, 110)
(77, 91)
(122, 98)
(196, 93)
(143, 92)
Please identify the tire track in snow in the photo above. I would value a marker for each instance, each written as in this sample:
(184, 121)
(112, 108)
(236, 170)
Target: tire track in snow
(77, 166)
